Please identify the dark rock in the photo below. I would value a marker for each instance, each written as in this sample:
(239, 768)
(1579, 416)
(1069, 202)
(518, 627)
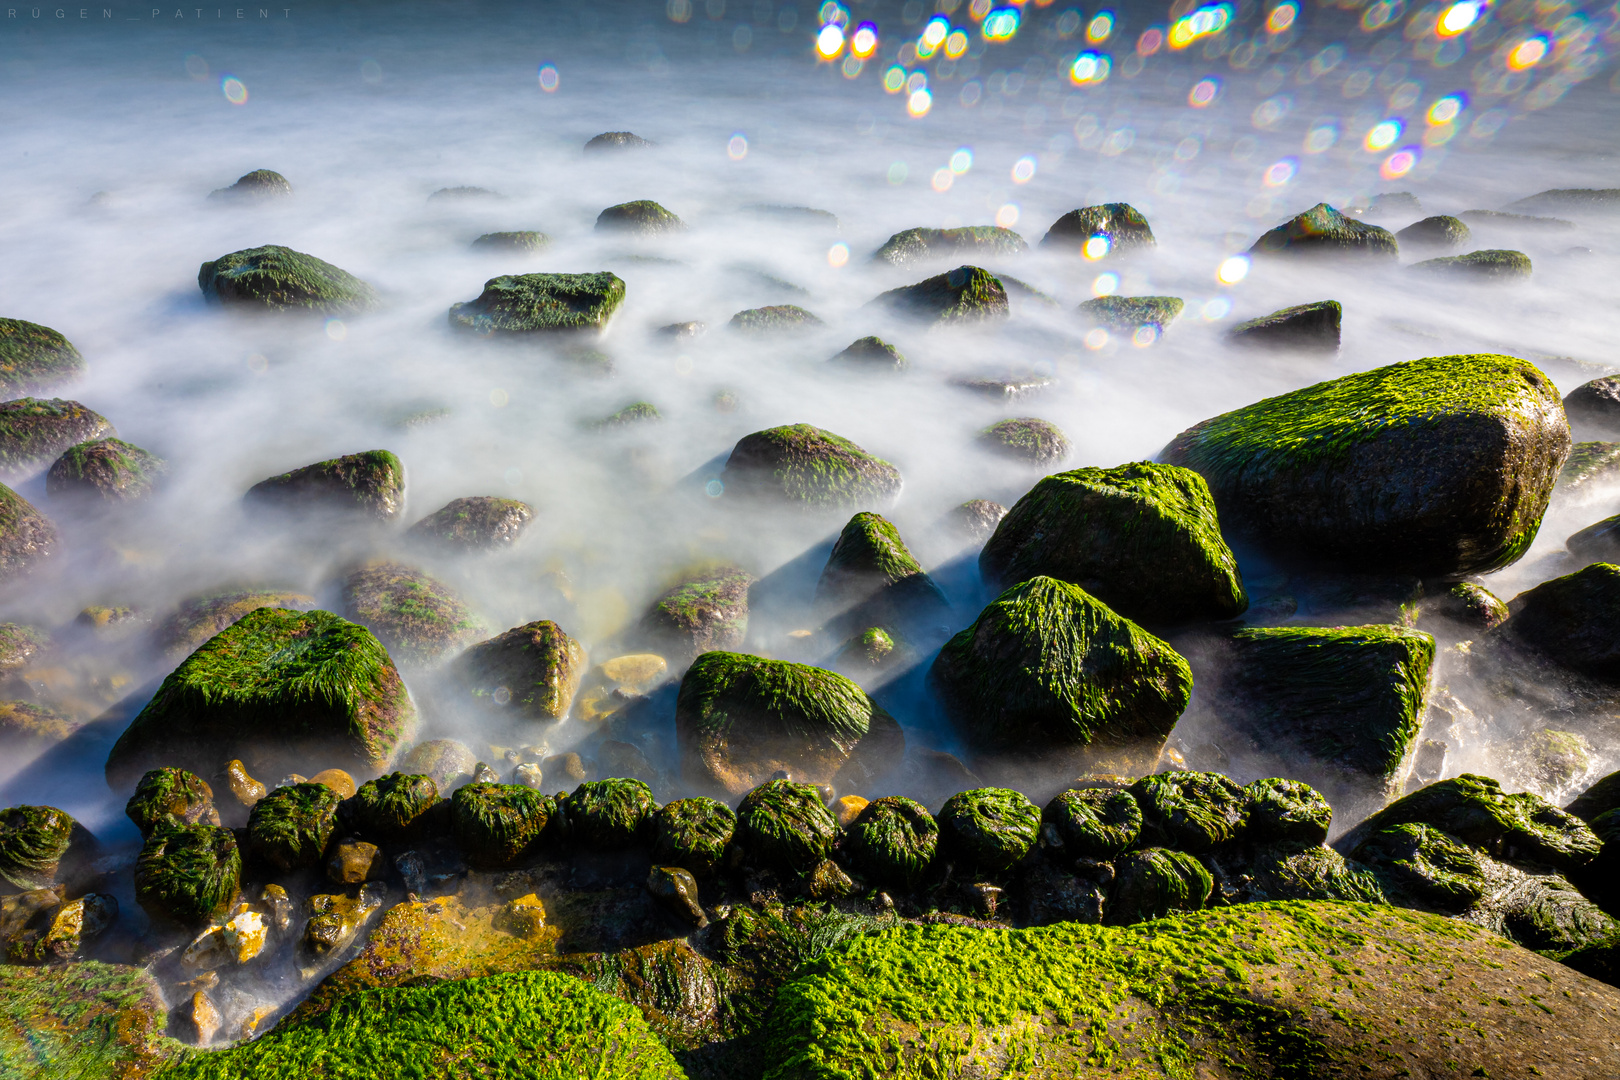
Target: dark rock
(785, 827)
(34, 358)
(417, 617)
(1598, 799)
(693, 833)
(1154, 883)
(355, 862)
(934, 776)
(1129, 313)
(257, 186)
(188, 875)
(681, 331)
(511, 243)
(393, 808)
(1438, 233)
(1570, 201)
(1426, 864)
(531, 671)
(496, 825)
(1287, 812)
(779, 318)
(1121, 224)
(1289, 872)
(796, 215)
(871, 567)
(110, 470)
(366, 485)
(816, 469)
(201, 617)
(642, 217)
(892, 842)
(1593, 409)
(27, 537)
(987, 830)
(1323, 231)
(872, 354)
(1570, 620)
(976, 519)
(540, 303)
(966, 295)
(171, 798)
(1026, 439)
(1394, 203)
(1051, 894)
(1491, 265)
(615, 758)
(479, 523)
(1007, 387)
(26, 729)
(464, 193)
(293, 825)
(708, 611)
(41, 845)
(637, 412)
(917, 245)
(1094, 823)
(1192, 811)
(1467, 604)
(676, 890)
(608, 815)
(281, 279)
(1303, 328)
(616, 140)
(34, 431)
(1590, 464)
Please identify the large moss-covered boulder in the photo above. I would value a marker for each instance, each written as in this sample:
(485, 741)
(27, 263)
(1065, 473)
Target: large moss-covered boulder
(392, 808)
(1191, 811)
(1094, 823)
(479, 523)
(1130, 313)
(917, 245)
(1438, 233)
(870, 567)
(276, 689)
(1323, 232)
(606, 815)
(740, 719)
(987, 830)
(35, 358)
(642, 217)
(531, 671)
(35, 431)
(39, 846)
(1301, 328)
(693, 834)
(785, 827)
(1142, 538)
(892, 841)
(199, 618)
(541, 303)
(1154, 883)
(1571, 620)
(1026, 439)
(417, 617)
(108, 470)
(961, 297)
(1048, 667)
(802, 464)
(172, 798)
(292, 826)
(706, 611)
(188, 875)
(281, 279)
(1494, 266)
(497, 825)
(1121, 224)
(27, 537)
(1441, 466)
(365, 485)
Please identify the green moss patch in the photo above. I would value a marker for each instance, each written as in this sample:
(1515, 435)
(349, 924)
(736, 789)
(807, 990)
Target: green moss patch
(85, 1021)
(188, 874)
(416, 616)
(34, 431)
(541, 303)
(109, 469)
(1121, 224)
(369, 484)
(1027, 439)
(35, 358)
(1322, 231)
(293, 826)
(914, 245)
(642, 217)
(708, 610)
(965, 296)
(282, 279)
(802, 464)
(201, 617)
(785, 827)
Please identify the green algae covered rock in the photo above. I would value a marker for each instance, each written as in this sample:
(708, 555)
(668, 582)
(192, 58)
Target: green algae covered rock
(785, 827)
(1094, 823)
(171, 798)
(1128, 313)
(1570, 619)
(872, 354)
(523, 1025)
(1192, 811)
(707, 611)
(531, 671)
(281, 279)
(988, 830)
(1287, 812)
(740, 719)
(1323, 232)
(637, 412)
(497, 825)
(1026, 439)
(1600, 798)
(916, 245)
(1121, 224)
(606, 815)
(816, 469)
(1142, 538)
(366, 485)
(693, 834)
(1438, 233)
(511, 243)
(1301, 328)
(199, 618)
(1489, 266)
(1471, 605)
(1290, 872)
(642, 217)
(541, 303)
(278, 687)
(257, 185)
(35, 843)
(480, 523)
(1046, 666)
(87, 1021)
(111, 470)
(1154, 883)
(1427, 864)
(292, 826)
(27, 537)
(870, 560)
(35, 358)
(967, 295)
(416, 616)
(892, 841)
(779, 318)
(392, 808)
(188, 875)
(1590, 463)
(1435, 467)
(34, 431)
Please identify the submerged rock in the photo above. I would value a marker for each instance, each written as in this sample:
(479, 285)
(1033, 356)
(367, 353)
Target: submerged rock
(1491, 265)
(447, 762)
(1435, 233)
(785, 827)
(1323, 231)
(916, 245)
(1128, 313)
(872, 354)
(531, 671)
(35, 358)
(642, 217)
(1303, 328)
(281, 279)
(816, 469)
(27, 728)
(496, 825)
(1027, 439)
(966, 295)
(188, 875)
(511, 243)
(615, 140)
(478, 523)
(417, 617)
(693, 834)
(1497, 219)
(779, 318)
(1569, 200)
(1593, 409)
(541, 303)
(987, 830)
(201, 617)
(366, 485)
(637, 412)
(976, 519)
(1121, 224)
(892, 841)
(27, 537)
(257, 186)
(1570, 619)
(707, 611)
(34, 431)
(464, 193)
(1006, 387)
(293, 825)
(111, 470)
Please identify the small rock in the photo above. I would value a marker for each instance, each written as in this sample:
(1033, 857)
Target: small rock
(463, 193)
(447, 761)
(828, 881)
(256, 186)
(540, 303)
(1128, 314)
(524, 917)
(983, 897)
(413, 869)
(777, 318)
(1593, 409)
(336, 779)
(280, 279)
(616, 140)
(483, 774)
(355, 862)
(531, 672)
(916, 245)
(511, 243)
(706, 611)
(1121, 225)
(847, 808)
(418, 618)
(35, 431)
(872, 354)
(20, 909)
(569, 768)
(482, 523)
(105, 470)
(635, 671)
(369, 485)
(1467, 604)
(204, 1019)
(27, 537)
(676, 890)
(1494, 265)
(1322, 231)
(966, 295)
(528, 774)
(1438, 233)
(637, 412)
(35, 359)
(1026, 439)
(1305, 328)
(642, 217)
(279, 905)
(976, 519)
(1007, 387)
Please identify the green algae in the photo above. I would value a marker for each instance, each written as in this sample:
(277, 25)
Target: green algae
(1288, 872)
(1284, 811)
(802, 464)
(607, 815)
(26, 536)
(540, 303)
(1192, 811)
(1323, 232)
(1439, 232)
(1094, 823)
(170, 797)
(913, 245)
(1121, 224)
(1153, 883)
(110, 469)
(33, 842)
(893, 841)
(477, 523)
(199, 618)
(34, 431)
(1494, 265)
(511, 243)
(965, 296)
(868, 557)
(1569, 619)
(293, 826)
(1427, 864)
(369, 484)
(637, 412)
(778, 318)
(785, 827)
(35, 358)
(416, 616)
(988, 830)
(537, 665)
(642, 217)
(872, 354)
(708, 610)
(693, 834)
(256, 185)
(1027, 439)
(188, 874)
(497, 825)
(281, 279)
(393, 808)
(1301, 328)
(1590, 462)
(82, 1021)
(1129, 313)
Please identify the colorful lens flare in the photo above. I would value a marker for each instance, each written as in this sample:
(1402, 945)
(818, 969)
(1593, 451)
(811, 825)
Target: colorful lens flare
(1280, 173)
(1101, 25)
(1233, 270)
(1527, 54)
(1023, 170)
(830, 42)
(1383, 135)
(548, 78)
(1281, 18)
(234, 90)
(1203, 92)
(1399, 163)
(1457, 18)
(1446, 109)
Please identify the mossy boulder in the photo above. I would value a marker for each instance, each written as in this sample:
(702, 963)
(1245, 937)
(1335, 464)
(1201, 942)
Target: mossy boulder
(35, 358)
(1593, 409)
(445, 761)
(987, 830)
(1301, 328)
(616, 140)
(870, 569)
(693, 834)
(199, 618)
(1467, 604)
(1426, 864)
(171, 798)
(293, 825)
(643, 217)
(27, 537)
(740, 719)
(481, 523)
(1121, 224)
(1435, 467)
(416, 616)
(279, 688)
(1569, 619)
(892, 842)
(35, 431)
(1438, 233)
(917, 245)
(109, 470)
(976, 519)
(1046, 666)
(26, 727)
(1288, 871)
(784, 826)
(706, 611)
(1598, 799)
(188, 875)
(1130, 313)
(1284, 811)
(540, 303)
(872, 354)
(1192, 811)
(1142, 538)
(365, 485)
(1026, 439)
(607, 815)
(497, 825)
(1323, 232)
(778, 318)
(531, 671)
(1493, 265)
(392, 808)
(41, 845)
(281, 279)
(511, 243)
(21, 645)
(257, 185)
(965, 296)
(1094, 823)
(802, 464)
(1154, 883)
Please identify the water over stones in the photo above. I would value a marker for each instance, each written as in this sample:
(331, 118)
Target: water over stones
(35, 359)
(274, 278)
(417, 617)
(1310, 328)
(1323, 232)
(531, 671)
(815, 469)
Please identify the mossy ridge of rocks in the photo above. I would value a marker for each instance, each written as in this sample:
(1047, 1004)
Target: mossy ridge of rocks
(276, 683)
(1303, 328)
(293, 826)
(872, 353)
(1437, 467)
(189, 874)
(35, 358)
(199, 618)
(1094, 823)
(370, 484)
(496, 825)
(511, 243)
(280, 279)
(477, 523)
(610, 141)
(1590, 463)
(1026, 438)
(705, 611)
(869, 562)
(541, 303)
(803, 464)
(965, 296)
(537, 665)
(111, 470)
(740, 719)
(642, 217)
(693, 834)
(1130, 313)
(1142, 538)
(1121, 224)
(1048, 667)
(34, 431)
(1494, 265)
(1593, 409)
(915, 245)
(1323, 231)
(27, 537)
(784, 826)
(777, 318)
(258, 185)
(87, 1019)
(1440, 232)
(608, 815)
(417, 617)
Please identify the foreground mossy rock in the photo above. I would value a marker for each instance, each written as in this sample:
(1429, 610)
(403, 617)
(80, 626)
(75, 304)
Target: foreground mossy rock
(740, 719)
(1094, 823)
(35, 431)
(1156, 882)
(1492, 265)
(35, 358)
(110, 470)
(784, 826)
(965, 296)
(916, 245)
(416, 616)
(281, 279)
(778, 318)
(511, 243)
(872, 354)
(524, 1025)
(1570, 619)
(802, 464)
(1142, 538)
(693, 834)
(392, 808)
(706, 611)
(172, 798)
(987, 830)
(201, 617)
(1284, 811)
(1121, 224)
(294, 825)
(606, 815)
(1426, 864)
(541, 303)
(496, 825)
(477, 524)
(188, 875)
(366, 485)
(27, 537)
(1027, 439)
(1290, 871)
(892, 842)
(1323, 232)
(1593, 409)
(1302, 328)
(86, 1020)
(1350, 700)
(257, 185)
(531, 671)
(1191, 811)
(1438, 233)
(643, 217)
(869, 562)
(1048, 667)
(279, 687)
(39, 846)
(1130, 313)
(1441, 466)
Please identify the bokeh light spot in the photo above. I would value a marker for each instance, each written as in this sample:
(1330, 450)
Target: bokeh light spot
(678, 10)
(1203, 92)
(962, 161)
(1145, 335)
(943, 178)
(919, 103)
(1233, 270)
(830, 42)
(894, 79)
(1399, 163)
(1446, 109)
(1023, 170)
(1216, 309)
(864, 42)
(1321, 138)
(838, 254)
(336, 330)
(1457, 18)
(370, 72)
(1527, 54)
(1281, 172)
(499, 398)
(1281, 18)
(898, 172)
(917, 80)
(1100, 27)
(737, 148)
(1106, 284)
(933, 36)
(956, 43)
(1089, 67)
(1096, 247)
(1007, 216)
(549, 78)
(196, 67)
(1382, 136)
(1000, 25)
(1097, 338)
(714, 489)
(1150, 41)
(234, 90)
